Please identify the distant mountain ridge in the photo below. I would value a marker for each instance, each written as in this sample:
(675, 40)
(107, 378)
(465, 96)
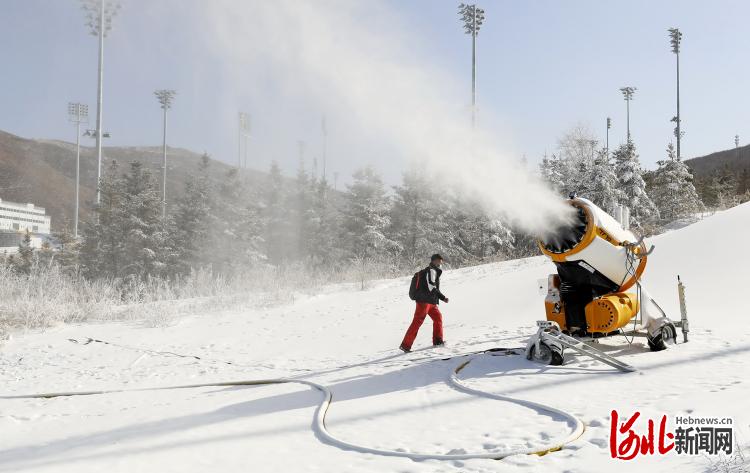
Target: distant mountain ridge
(43, 172)
(734, 160)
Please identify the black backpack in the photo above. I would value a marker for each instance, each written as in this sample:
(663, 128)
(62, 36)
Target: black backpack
(414, 286)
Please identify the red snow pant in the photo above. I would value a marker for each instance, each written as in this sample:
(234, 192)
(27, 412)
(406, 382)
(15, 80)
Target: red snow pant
(424, 309)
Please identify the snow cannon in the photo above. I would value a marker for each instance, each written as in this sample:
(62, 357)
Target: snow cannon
(596, 291)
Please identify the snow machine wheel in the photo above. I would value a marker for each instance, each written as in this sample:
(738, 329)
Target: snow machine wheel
(546, 355)
(667, 336)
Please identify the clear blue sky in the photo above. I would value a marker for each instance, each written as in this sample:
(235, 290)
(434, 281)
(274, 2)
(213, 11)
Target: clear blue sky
(544, 66)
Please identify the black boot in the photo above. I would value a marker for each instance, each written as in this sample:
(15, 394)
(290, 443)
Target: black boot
(438, 343)
(404, 349)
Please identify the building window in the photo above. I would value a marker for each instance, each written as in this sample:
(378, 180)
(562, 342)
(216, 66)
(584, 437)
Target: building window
(35, 229)
(16, 226)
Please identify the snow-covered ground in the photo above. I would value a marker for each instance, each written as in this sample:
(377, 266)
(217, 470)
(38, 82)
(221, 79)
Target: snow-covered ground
(346, 339)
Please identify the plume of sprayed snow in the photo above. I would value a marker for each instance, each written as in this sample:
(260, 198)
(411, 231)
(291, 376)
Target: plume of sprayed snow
(353, 60)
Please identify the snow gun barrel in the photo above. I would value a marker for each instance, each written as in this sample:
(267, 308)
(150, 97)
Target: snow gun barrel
(594, 240)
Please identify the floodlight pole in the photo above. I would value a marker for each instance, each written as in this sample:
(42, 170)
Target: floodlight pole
(165, 97)
(77, 113)
(675, 39)
(99, 14)
(325, 140)
(78, 173)
(243, 135)
(164, 169)
(628, 92)
(241, 118)
(473, 18)
(99, 104)
(609, 125)
(474, 69)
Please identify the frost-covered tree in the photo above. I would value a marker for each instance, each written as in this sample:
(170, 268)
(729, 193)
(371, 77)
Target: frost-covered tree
(567, 170)
(632, 186)
(300, 211)
(673, 191)
(102, 252)
(366, 217)
(325, 222)
(25, 258)
(603, 184)
(276, 234)
(146, 241)
(193, 220)
(67, 255)
(127, 237)
(418, 219)
(576, 151)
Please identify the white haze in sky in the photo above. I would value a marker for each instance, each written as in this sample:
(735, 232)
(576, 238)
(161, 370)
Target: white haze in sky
(355, 61)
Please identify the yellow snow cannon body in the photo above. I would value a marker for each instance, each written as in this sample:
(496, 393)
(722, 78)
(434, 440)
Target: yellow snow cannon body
(594, 271)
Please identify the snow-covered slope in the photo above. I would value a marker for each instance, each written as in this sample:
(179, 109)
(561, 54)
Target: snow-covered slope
(346, 339)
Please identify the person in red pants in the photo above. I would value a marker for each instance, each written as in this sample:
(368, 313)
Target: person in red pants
(427, 297)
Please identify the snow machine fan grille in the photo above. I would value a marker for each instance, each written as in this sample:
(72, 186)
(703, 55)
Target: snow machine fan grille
(565, 237)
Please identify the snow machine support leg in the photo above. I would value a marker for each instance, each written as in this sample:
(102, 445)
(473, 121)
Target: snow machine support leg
(548, 344)
(683, 323)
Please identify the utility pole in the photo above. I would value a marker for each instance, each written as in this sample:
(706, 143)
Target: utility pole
(472, 18)
(628, 92)
(99, 14)
(165, 97)
(77, 113)
(675, 39)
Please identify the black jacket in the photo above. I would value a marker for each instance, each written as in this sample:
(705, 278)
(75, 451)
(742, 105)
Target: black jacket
(429, 286)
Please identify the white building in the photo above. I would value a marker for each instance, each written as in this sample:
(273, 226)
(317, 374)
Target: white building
(16, 219)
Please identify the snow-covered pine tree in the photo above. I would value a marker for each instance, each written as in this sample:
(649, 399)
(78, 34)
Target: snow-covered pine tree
(68, 252)
(673, 191)
(743, 185)
(576, 151)
(236, 234)
(366, 219)
(24, 261)
(147, 245)
(554, 171)
(102, 248)
(193, 220)
(127, 237)
(276, 234)
(727, 188)
(299, 206)
(631, 184)
(324, 227)
(603, 189)
(418, 221)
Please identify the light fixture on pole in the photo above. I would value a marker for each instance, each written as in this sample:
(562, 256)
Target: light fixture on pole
(77, 113)
(628, 92)
(244, 134)
(165, 97)
(472, 18)
(99, 14)
(675, 38)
